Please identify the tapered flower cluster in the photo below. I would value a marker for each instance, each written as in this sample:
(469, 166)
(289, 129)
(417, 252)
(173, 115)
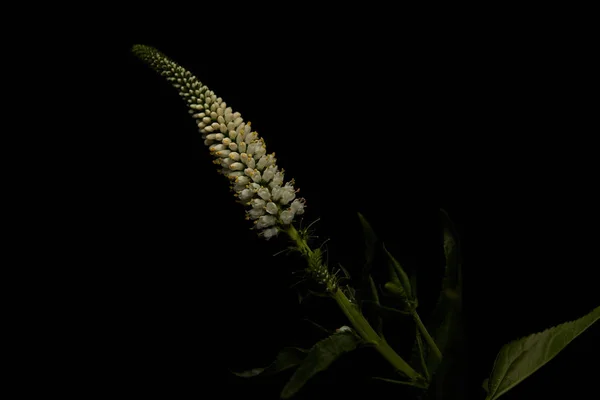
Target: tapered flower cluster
(242, 155)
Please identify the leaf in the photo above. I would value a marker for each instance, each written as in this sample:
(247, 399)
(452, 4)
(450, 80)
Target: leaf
(377, 323)
(446, 323)
(320, 357)
(371, 241)
(485, 385)
(408, 383)
(418, 356)
(521, 358)
(288, 357)
(400, 276)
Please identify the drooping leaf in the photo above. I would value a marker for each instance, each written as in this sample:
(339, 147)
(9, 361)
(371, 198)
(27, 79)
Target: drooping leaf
(288, 357)
(371, 241)
(320, 357)
(519, 359)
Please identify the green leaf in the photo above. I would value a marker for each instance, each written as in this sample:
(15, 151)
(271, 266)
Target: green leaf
(320, 357)
(521, 358)
(377, 322)
(408, 383)
(288, 357)
(485, 385)
(446, 323)
(399, 276)
(370, 242)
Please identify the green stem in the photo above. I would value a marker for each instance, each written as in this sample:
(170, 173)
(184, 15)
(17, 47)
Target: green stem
(427, 336)
(359, 322)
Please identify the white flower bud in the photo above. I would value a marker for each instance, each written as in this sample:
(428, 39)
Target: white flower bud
(286, 217)
(226, 142)
(266, 221)
(242, 146)
(256, 177)
(264, 193)
(216, 126)
(216, 147)
(233, 146)
(262, 163)
(226, 162)
(206, 120)
(246, 194)
(223, 153)
(276, 193)
(268, 173)
(277, 179)
(238, 188)
(297, 206)
(269, 233)
(249, 172)
(287, 194)
(250, 162)
(236, 166)
(250, 136)
(242, 180)
(232, 175)
(258, 203)
(252, 147)
(260, 152)
(234, 155)
(240, 129)
(209, 129)
(255, 213)
(272, 208)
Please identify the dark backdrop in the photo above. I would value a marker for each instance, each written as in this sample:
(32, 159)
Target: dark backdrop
(498, 135)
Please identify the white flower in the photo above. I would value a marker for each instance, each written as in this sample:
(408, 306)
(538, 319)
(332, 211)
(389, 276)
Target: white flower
(272, 208)
(241, 153)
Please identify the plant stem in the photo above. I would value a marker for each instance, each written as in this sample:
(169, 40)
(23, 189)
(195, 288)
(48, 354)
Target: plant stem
(369, 335)
(359, 322)
(427, 336)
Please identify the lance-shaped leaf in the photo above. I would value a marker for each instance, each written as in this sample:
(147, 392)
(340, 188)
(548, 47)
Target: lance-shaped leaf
(398, 275)
(288, 357)
(370, 243)
(368, 286)
(521, 358)
(377, 322)
(320, 357)
(446, 321)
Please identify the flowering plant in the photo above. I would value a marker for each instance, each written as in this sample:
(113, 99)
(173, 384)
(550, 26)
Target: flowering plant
(271, 203)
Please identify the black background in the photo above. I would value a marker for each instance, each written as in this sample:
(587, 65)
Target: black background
(494, 128)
